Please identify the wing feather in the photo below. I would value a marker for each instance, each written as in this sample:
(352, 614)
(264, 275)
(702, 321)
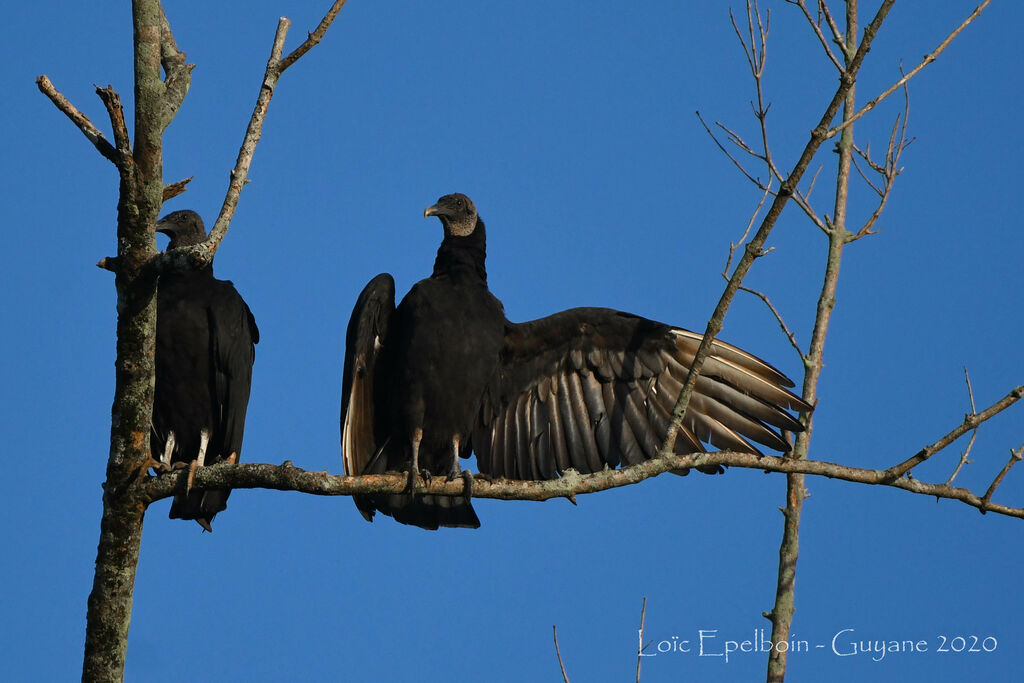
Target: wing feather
(367, 331)
(589, 388)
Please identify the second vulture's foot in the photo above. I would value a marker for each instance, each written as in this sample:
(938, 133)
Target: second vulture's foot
(454, 472)
(410, 484)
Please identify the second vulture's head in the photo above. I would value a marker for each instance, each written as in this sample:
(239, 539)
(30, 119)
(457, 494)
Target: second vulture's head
(457, 214)
(185, 228)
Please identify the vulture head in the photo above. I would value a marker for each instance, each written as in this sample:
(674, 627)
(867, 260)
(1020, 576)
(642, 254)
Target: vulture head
(185, 228)
(457, 214)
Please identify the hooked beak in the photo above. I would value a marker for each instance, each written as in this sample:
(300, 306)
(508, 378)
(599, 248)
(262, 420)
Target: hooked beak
(163, 227)
(435, 210)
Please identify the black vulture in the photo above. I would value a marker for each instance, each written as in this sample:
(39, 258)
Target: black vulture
(205, 337)
(446, 373)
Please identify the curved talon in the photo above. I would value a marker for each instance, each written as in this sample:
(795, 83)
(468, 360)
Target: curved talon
(467, 480)
(454, 473)
(410, 485)
(486, 477)
(152, 464)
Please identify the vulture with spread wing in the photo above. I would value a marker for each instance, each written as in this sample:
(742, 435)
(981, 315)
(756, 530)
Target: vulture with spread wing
(445, 373)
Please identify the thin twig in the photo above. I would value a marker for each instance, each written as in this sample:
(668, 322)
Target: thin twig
(928, 59)
(890, 171)
(315, 37)
(970, 422)
(778, 317)
(202, 254)
(837, 35)
(729, 154)
(974, 434)
(817, 31)
(90, 131)
(565, 676)
(864, 155)
(757, 242)
(640, 651)
(750, 225)
(1015, 457)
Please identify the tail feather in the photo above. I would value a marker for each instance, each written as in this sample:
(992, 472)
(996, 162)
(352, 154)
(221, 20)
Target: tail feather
(424, 511)
(202, 506)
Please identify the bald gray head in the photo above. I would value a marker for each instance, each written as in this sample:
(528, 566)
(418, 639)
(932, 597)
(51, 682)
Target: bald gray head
(185, 228)
(457, 214)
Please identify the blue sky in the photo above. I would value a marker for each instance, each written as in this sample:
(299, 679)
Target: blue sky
(572, 127)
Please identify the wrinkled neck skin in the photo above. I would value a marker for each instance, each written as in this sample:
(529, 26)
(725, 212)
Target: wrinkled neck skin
(462, 256)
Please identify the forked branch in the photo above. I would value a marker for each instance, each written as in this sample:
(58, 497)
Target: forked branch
(928, 59)
(202, 254)
(91, 132)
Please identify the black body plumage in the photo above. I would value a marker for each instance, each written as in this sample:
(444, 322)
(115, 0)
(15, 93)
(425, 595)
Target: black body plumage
(205, 346)
(582, 389)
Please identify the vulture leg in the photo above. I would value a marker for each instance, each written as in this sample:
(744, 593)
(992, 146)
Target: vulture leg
(164, 463)
(454, 471)
(165, 458)
(204, 441)
(414, 467)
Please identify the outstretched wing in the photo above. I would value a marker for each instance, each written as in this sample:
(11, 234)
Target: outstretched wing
(591, 387)
(367, 330)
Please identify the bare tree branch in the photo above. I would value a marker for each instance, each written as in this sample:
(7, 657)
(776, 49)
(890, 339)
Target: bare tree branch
(178, 74)
(889, 171)
(112, 101)
(837, 35)
(286, 477)
(1015, 457)
(974, 434)
(782, 611)
(141, 195)
(90, 131)
(735, 161)
(817, 31)
(640, 650)
(565, 676)
(756, 244)
(202, 254)
(970, 422)
(315, 37)
(743, 238)
(778, 316)
(928, 59)
(174, 189)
